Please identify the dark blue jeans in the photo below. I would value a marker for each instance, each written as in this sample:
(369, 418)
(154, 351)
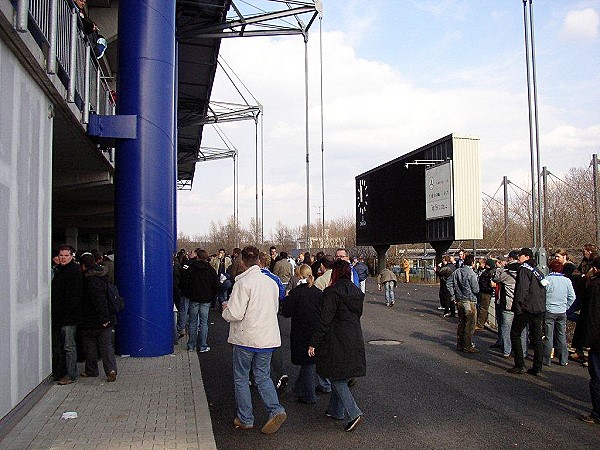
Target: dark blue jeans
(555, 329)
(341, 401)
(64, 352)
(260, 363)
(305, 383)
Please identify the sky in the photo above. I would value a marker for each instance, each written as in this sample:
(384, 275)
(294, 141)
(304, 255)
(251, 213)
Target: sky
(397, 75)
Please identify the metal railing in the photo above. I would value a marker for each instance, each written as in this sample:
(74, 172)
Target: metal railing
(56, 26)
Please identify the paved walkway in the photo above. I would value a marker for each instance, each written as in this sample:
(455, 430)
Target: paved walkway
(156, 403)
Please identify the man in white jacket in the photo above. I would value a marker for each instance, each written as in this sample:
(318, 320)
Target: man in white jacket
(254, 333)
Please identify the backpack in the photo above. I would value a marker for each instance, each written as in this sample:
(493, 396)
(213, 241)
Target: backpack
(115, 302)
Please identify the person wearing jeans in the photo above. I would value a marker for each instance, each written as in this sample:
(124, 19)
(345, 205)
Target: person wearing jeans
(529, 306)
(506, 278)
(259, 360)
(66, 314)
(200, 284)
(64, 351)
(388, 280)
(303, 306)
(254, 333)
(338, 346)
(560, 295)
(182, 315)
(198, 326)
(507, 320)
(464, 287)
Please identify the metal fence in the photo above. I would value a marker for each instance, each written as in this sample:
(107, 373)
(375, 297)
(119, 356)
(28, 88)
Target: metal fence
(56, 26)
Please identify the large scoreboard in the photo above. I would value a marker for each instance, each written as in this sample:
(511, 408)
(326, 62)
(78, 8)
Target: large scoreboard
(430, 194)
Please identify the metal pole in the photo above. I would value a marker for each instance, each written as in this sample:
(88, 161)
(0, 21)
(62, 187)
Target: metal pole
(235, 198)
(52, 31)
(98, 88)
(72, 58)
(86, 84)
(505, 184)
(257, 229)
(262, 175)
(541, 251)
(596, 196)
(307, 146)
(537, 128)
(545, 194)
(322, 135)
(22, 15)
(235, 232)
(531, 153)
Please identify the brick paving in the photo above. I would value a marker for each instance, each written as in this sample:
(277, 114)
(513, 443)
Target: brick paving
(156, 403)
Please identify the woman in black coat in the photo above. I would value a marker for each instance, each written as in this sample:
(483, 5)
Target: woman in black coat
(303, 305)
(338, 346)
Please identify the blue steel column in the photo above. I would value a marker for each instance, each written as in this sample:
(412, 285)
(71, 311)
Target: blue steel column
(144, 183)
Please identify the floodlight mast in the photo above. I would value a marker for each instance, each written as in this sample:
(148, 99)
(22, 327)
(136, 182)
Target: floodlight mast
(537, 227)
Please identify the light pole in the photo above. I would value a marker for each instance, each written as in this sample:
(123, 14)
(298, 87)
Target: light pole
(538, 225)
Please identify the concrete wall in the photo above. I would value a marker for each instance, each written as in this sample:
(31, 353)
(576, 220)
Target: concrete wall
(25, 233)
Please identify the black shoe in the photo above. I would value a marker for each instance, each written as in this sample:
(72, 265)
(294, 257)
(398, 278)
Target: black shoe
(352, 424)
(517, 370)
(534, 372)
(352, 382)
(282, 383)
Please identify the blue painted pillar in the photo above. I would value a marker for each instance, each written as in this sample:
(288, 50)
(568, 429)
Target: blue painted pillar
(144, 184)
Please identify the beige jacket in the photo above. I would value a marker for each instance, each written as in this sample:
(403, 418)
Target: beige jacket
(323, 281)
(387, 275)
(284, 270)
(252, 311)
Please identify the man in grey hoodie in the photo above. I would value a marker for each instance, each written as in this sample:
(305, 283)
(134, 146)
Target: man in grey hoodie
(463, 287)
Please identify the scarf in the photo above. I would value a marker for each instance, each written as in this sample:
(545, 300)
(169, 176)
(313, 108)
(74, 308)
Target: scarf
(536, 273)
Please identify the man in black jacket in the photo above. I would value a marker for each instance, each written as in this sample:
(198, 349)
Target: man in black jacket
(529, 306)
(592, 340)
(486, 290)
(97, 322)
(66, 314)
(200, 283)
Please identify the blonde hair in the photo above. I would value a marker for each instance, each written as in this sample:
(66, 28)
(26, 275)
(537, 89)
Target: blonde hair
(304, 271)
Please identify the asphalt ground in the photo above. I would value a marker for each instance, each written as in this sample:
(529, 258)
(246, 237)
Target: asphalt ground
(419, 394)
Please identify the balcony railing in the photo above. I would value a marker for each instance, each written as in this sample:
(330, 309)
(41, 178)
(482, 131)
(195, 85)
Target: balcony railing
(56, 27)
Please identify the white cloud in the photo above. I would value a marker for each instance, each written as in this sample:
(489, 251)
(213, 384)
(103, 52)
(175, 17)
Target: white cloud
(581, 25)
(453, 8)
(373, 114)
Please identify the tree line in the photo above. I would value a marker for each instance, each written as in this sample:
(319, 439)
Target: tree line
(569, 217)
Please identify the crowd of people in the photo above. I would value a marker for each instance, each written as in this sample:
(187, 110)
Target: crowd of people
(81, 312)
(322, 295)
(532, 309)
